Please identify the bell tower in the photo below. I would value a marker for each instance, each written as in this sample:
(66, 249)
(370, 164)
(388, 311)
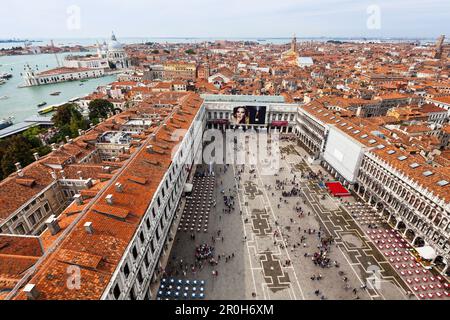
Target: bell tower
(294, 44)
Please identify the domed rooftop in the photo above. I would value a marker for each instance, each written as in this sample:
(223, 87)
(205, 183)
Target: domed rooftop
(114, 45)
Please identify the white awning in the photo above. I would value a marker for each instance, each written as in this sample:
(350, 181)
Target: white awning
(426, 252)
(188, 187)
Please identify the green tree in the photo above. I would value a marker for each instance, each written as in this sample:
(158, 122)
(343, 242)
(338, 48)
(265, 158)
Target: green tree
(19, 150)
(190, 51)
(65, 113)
(31, 135)
(68, 120)
(99, 108)
(4, 144)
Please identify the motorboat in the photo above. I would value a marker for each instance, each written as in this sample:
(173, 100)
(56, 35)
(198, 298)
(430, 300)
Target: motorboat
(42, 104)
(6, 122)
(5, 75)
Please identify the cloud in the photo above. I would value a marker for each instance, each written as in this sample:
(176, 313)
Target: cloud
(218, 18)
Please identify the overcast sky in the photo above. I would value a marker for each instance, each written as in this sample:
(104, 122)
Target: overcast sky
(224, 18)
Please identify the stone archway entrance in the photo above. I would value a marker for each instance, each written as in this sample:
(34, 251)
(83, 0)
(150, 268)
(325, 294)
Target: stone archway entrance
(419, 242)
(439, 263)
(392, 221)
(410, 235)
(401, 226)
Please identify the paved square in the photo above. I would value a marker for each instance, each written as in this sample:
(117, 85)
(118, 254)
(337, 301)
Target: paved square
(270, 246)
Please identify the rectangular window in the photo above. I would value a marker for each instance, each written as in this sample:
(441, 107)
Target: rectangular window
(20, 229)
(32, 219)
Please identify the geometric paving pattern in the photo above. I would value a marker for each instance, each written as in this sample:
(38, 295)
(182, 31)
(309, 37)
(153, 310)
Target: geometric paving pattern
(260, 220)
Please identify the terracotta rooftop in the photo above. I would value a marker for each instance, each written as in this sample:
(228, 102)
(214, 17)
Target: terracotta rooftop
(98, 254)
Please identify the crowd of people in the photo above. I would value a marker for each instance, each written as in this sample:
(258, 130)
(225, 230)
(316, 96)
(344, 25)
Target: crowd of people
(288, 188)
(203, 252)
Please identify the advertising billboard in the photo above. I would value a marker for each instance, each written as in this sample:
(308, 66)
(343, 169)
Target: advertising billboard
(249, 115)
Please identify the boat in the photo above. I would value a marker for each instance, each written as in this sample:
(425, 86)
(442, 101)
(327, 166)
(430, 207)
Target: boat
(5, 75)
(4, 97)
(47, 109)
(42, 104)
(57, 93)
(2, 81)
(84, 80)
(6, 122)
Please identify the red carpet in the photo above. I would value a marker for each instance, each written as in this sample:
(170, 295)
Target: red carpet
(337, 189)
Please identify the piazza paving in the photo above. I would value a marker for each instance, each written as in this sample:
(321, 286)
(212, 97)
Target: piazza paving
(266, 247)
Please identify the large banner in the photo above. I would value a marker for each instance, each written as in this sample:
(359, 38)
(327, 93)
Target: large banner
(249, 115)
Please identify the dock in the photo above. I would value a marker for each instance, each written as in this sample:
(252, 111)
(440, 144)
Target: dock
(26, 124)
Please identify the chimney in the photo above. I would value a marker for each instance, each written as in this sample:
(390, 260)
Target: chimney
(54, 176)
(31, 291)
(18, 166)
(119, 187)
(78, 199)
(62, 174)
(149, 149)
(79, 173)
(107, 169)
(53, 145)
(20, 173)
(165, 126)
(36, 156)
(67, 138)
(88, 183)
(70, 140)
(52, 224)
(127, 150)
(80, 132)
(89, 228)
(152, 137)
(110, 199)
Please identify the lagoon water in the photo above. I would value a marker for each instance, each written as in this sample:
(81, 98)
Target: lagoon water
(22, 102)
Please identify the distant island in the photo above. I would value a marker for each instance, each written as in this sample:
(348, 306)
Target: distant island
(17, 40)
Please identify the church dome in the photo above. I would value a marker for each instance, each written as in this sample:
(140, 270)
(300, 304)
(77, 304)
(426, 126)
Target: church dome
(114, 45)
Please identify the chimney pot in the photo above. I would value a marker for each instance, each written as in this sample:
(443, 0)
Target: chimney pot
(53, 145)
(89, 183)
(18, 166)
(67, 138)
(53, 224)
(78, 199)
(54, 176)
(36, 156)
(149, 149)
(119, 187)
(89, 228)
(110, 199)
(20, 173)
(31, 291)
